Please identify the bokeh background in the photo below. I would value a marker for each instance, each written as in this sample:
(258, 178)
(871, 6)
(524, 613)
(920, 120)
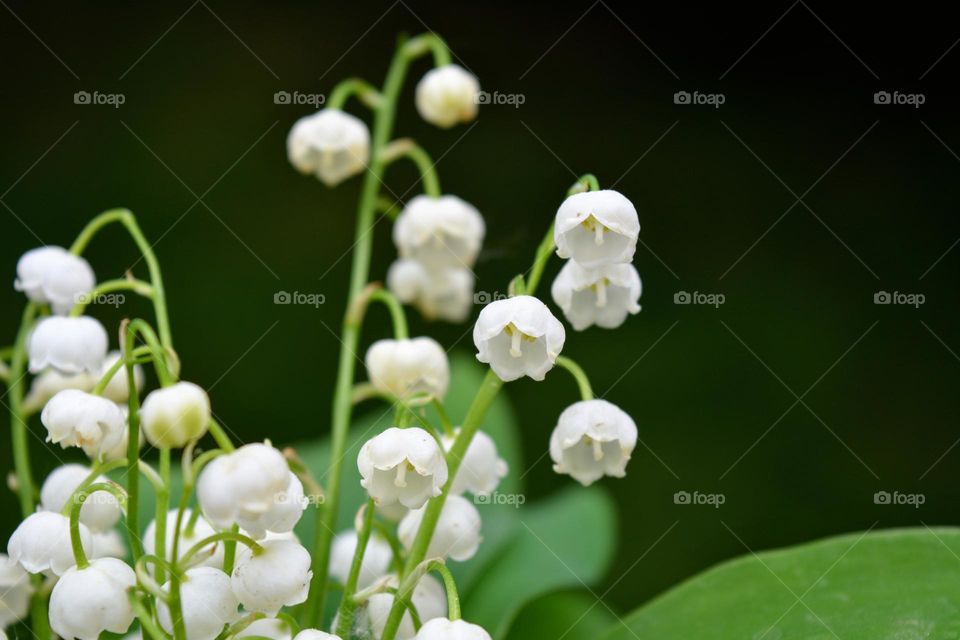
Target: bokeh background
(797, 200)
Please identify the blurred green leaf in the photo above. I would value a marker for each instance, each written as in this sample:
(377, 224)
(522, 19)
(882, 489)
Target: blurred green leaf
(566, 615)
(901, 584)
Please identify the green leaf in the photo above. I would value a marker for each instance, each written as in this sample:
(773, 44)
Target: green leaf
(902, 584)
(565, 542)
(567, 615)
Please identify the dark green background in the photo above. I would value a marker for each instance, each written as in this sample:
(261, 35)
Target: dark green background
(199, 81)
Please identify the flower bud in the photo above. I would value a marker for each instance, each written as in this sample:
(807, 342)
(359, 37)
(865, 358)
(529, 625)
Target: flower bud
(14, 592)
(446, 629)
(278, 576)
(457, 534)
(100, 510)
(173, 416)
(331, 144)
(376, 558)
(593, 438)
(439, 231)
(86, 602)
(41, 544)
(54, 276)
(79, 419)
(448, 95)
(108, 544)
(72, 345)
(439, 294)
(206, 603)
(596, 228)
(315, 634)
(404, 368)
(481, 468)
(429, 598)
(272, 628)
(402, 465)
(518, 337)
(602, 296)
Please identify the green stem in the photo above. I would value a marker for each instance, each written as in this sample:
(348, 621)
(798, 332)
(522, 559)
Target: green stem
(363, 90)
(146, 621)
(407, 148)
(79, 497)
(140, 287)
(163, 504)
(26, 489)
(234, 536)
(105, 379)
(397, 315)
(448, 429)
(453, 596)
(348, 605)
(133, 447)
(230, 551)
(583, 382)
(160, 364)
(221, 437)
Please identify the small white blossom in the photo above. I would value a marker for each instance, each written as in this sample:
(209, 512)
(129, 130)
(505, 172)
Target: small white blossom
(596, 228)
(402, 465)
(281, 517)
(315, 634)
(272, 628)
(331, 144)
(376, 558)
(206, 602)
(439, 232)
(108, 544)
(428, 597)
(446, 629)
(72, 345)
(41, 544)
(14, 592)
(602, 296)
(100, 510)
(175, 415)
(86, 602)
(593, 438)
(209, 556)
(518, 337)
(55, 276)
(119, 450)
(448, 95)
(457, 534)
(481, 468)
(439, 294)
(117, 389)
(279, 576)
(404, 368)
(79, 419)
(50, 382)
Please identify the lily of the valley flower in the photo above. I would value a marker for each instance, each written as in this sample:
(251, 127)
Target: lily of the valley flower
(41, 544)
(272, 628)
(593, 438)
(446, 629)
(86, 602)
(602, 296)
(481, 469)
(448, 95)
(518, 337)
(50, 382)
(72, 345)
(439, 294)
(281, 517)
(99, 512)
(376, 558)
(429, 599)
(209, 556)
(278, 576)
(108, 544)
(54, 276)
(596, 228)
(402, 465)
(315, 634)
(457, 534)
(439, 232)
(331, 144)
(175, 415)
(14, 592)
(403, 368)
(79, 419)
(206, 601)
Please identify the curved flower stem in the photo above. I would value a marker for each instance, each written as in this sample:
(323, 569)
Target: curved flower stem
(221, 437)
(583, 382)
(160, 353)
(139, 354)
(79, 498)
(350, 334)
(235, 536)
(146, 621)
(140, 287)
(407, 148)
(453, 596)
(147, 582)
(397, 315)
(348, 605)
(448, 429)
(26, 489)
(363, 90)
(133, 445)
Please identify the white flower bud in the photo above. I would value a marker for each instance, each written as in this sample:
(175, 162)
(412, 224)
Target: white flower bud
(281, 517)
(100, 510)
(175, 415)
(244, 484)
(428, 597)
(87, 602)
(206, 602)
(79, 419)
(448, 95)
(41, 544)
(315, 634)
(402, 465)
(108, 544)
(481, 468)
(518, 337)
(54, 275)
(14, 592)
(602, 296)
(331, 144)
(50, 382)
(71, 345)
(592, 438)
(457, 534)
(117, 389)
(209, 556)
(439, 232)
(278, 576)
(376, 558)
(446, 629)
(404, 368)
(596, 228)
(272, 628)
(439, 294)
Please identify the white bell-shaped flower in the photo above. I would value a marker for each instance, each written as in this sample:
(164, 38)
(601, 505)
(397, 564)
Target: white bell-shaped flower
(404, 368)
(79, 419)
(272, 628)
(100, 510)
(209, 556)
(439, 232)
(330, 144)
(108, 544)
(55, 276)
(281, 517)
(596, 228)
(593, 438)
(206, 602)
(41, 544)
(277, 577)
(481, 468)
(376, 558)
(438, 293)
(117, 389)
(602, 296)
(428, 597)
(69, 344)
(50, 382)
(315, 634)
(446, 629)
(402, 465)
(119, 450)
(448, 95)
(175, 415)
(86, 602)
(14, 592)
(244, 484)
(457, 534)
(518, 337)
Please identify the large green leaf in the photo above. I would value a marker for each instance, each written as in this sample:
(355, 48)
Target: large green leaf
(566, 615)
(900, 584)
